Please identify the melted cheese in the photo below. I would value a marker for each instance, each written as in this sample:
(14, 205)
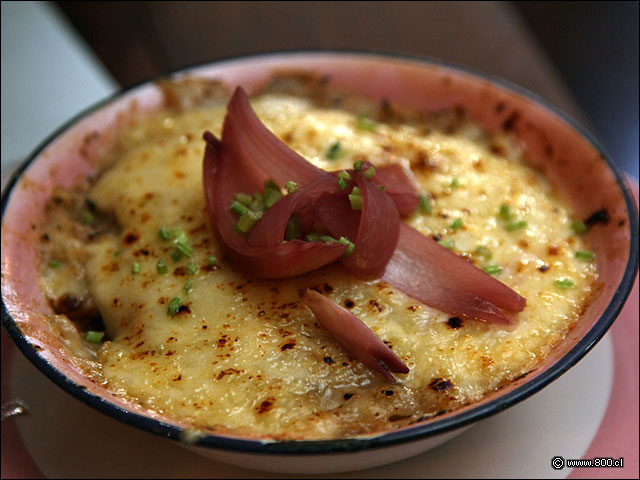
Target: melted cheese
(246, 355)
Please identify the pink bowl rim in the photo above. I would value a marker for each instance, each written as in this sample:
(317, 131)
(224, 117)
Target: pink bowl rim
(419, 431)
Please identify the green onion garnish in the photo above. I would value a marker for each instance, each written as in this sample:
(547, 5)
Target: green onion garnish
(505, 212)
(425, 204)
(334, 152)
(343, 183)
(161, 266)
(248, 221)
(94, 337)
(382, 187)
(364, 123)
(238, 208)
(271, 196)
(456, 224)
(185, 249)
(257, 204)
(188, 286)
(174, 306)
(513, 226)
(291, 186)
(344, 174)
(357, 165)
(350, 245)
(88, 218)
(116, 253)
(483, 251)
(370, 172)
(564, 283)
(578, 227)
(455, 183)
(355, 191)
(492, 269)
(176, 255)
(244, 199)
(293, 230)
(327, 238)
(447, 243)
(356, 201)
(585, 255)
(55, 264)
(213, 261)
(192, 268)
(313, 237)
(169, 233)
(135, 268)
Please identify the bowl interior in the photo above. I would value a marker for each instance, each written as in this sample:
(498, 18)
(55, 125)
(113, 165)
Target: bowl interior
(573, 162)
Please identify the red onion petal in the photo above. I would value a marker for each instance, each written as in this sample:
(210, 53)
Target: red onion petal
(401, 185)
(257, 143)
(436, 276)
(221, 182)
(354, 336)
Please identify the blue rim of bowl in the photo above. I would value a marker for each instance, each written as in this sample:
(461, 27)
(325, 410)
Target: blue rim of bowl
(375, 441)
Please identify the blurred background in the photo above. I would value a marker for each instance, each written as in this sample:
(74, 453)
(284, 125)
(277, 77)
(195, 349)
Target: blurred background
(59, 57)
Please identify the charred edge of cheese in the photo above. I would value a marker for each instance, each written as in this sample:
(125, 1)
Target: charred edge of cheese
(244, 356)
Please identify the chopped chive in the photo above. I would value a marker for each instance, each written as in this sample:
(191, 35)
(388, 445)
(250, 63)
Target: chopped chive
(447, 243)
(55, 264)
(578, 227)
(188, 286)
(513, 226)
(291, 186)
(185, 249)
(238, 208)
(344, 174)
(585, 255)
(213, 261)
(356, 201)
(93, 336)
(455, 183)
(88, 218)
(343, 183)
(192, 268)
(293, 230)
(270, 184)
(257, 204)
(425, 204)
(248, 221)
(244, 199)
(327, 238)
(174, 306)
(564, 283)
(271, 196)
(355, 191)
(370, 172)
(457, 224)
(483, 251)
(365, 123)
(313, 237)
(334, 152)
(169, 233)
(161, 266)
(505, 212)
(116, 253)
(135, 268)
(350, 245)
(492, 269)
(382, 187)
(176, 255)
(357, 165)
